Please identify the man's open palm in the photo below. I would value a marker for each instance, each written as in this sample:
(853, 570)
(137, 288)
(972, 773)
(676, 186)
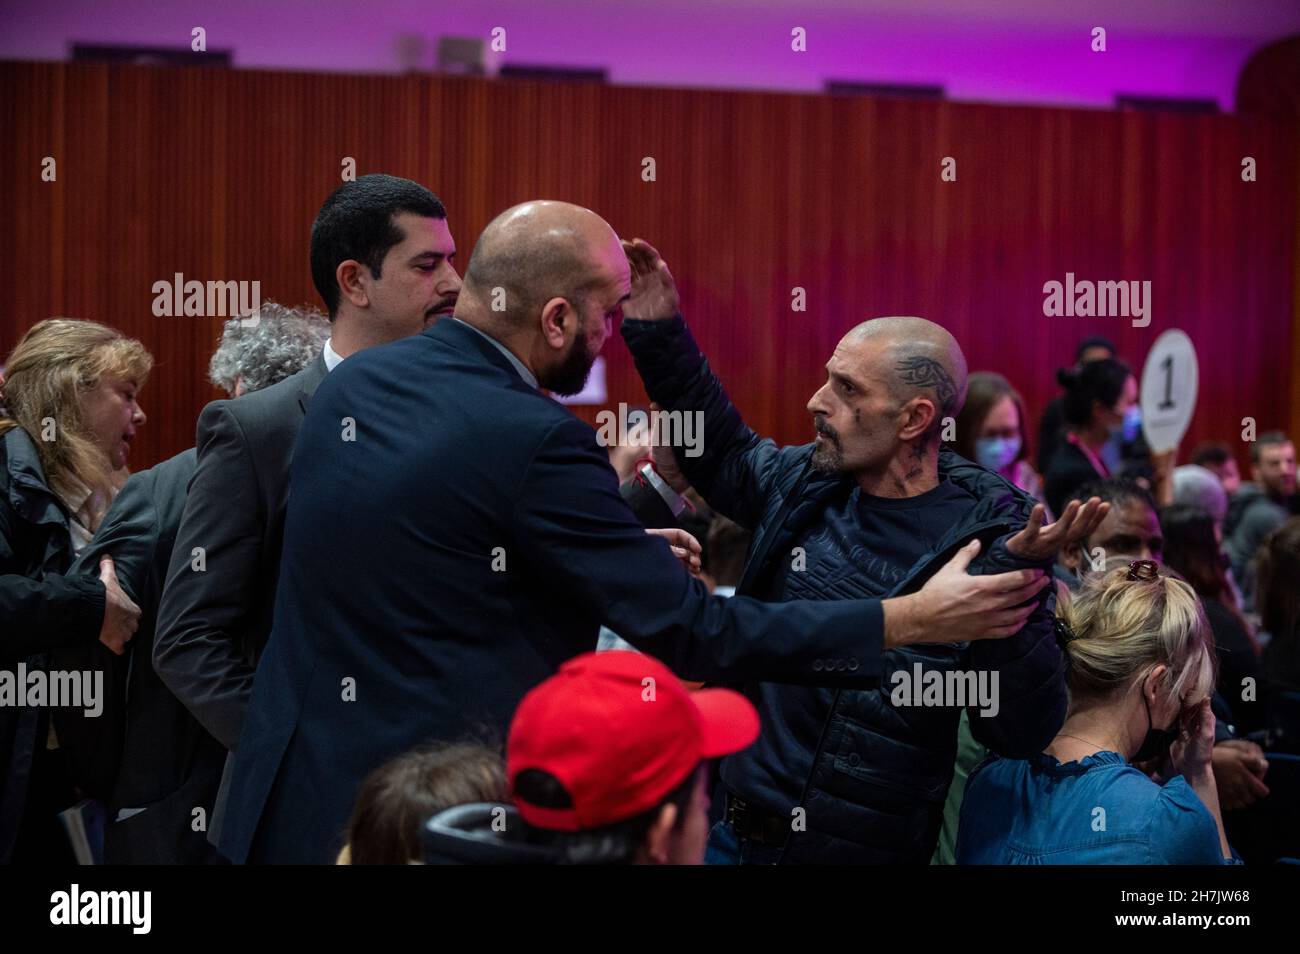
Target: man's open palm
(654, 293)
(1038, 542)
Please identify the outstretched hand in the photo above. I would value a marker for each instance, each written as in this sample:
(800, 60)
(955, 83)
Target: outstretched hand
(1037, 542)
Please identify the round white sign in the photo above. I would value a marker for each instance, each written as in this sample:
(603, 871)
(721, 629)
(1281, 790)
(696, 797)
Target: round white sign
(1168, 394)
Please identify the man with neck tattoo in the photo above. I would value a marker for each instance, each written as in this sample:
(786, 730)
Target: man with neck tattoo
(873, 508)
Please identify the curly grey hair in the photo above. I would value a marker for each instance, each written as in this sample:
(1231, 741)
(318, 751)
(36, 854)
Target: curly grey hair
(267, 346)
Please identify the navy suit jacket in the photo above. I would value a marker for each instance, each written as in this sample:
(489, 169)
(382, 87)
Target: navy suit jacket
(453, 535)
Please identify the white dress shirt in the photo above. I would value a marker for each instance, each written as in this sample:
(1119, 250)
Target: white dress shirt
(332, 358)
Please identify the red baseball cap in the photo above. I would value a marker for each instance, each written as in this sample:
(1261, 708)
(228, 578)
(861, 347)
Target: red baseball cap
(620, 732)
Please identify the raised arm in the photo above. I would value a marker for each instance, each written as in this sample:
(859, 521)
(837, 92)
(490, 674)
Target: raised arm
(730, 465)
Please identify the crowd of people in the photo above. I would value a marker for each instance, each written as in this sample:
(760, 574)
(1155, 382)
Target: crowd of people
(398, 605)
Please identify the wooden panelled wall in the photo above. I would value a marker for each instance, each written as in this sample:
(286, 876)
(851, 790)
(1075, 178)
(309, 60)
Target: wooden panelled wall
(218, 174)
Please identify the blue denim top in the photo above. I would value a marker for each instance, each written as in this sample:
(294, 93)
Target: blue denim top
(1097, 811)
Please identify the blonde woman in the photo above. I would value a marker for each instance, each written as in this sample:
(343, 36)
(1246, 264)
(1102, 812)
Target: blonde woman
(68, 415)
(1141, 674)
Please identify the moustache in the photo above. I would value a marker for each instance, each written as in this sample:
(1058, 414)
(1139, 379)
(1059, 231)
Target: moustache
(826, 431)
(440, 305)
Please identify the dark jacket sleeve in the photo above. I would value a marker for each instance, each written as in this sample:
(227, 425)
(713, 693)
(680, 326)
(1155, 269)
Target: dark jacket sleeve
(1031, 673)
(575, 529)
(198, 650)
(128, 534)
(40, 615)
(93, 744)
(735, 468)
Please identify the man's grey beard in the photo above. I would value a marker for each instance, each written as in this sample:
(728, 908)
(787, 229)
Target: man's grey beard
(827, 458)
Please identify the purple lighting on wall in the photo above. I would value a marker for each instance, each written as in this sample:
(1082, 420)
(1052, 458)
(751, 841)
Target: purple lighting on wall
(1020, 51)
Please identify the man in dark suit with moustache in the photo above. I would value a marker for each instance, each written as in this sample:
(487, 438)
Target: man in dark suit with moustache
(381, 259)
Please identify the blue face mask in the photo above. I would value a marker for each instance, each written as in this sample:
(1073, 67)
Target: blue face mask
(1132, 424)
(1129, 428)
(995, 453)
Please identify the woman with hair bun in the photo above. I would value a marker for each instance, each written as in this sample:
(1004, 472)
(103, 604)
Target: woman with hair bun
(1141, 675)
(1101, 401)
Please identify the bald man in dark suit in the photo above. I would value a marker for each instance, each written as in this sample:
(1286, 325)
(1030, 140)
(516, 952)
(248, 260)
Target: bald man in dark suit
(455, 534)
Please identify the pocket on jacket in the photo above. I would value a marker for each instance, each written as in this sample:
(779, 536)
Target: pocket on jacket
(163, 832)
(890, 764)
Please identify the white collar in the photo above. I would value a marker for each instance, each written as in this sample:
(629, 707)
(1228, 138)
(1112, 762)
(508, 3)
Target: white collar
(332, 357)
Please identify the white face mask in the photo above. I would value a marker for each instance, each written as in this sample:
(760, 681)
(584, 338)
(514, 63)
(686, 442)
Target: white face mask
(996, 453)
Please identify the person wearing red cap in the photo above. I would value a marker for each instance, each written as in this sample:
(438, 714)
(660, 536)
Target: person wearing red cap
(606, 760)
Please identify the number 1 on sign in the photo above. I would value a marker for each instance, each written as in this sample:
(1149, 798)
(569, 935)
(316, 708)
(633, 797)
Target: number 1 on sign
(1168, 399)
(1168, 366)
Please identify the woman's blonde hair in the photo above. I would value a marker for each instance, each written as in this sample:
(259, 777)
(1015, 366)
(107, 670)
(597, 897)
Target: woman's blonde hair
(1117, 629)
(54, 365)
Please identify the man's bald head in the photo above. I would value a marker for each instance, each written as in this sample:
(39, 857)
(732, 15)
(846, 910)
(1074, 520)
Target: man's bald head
(538, 251)
(547, 281)
(918, 359)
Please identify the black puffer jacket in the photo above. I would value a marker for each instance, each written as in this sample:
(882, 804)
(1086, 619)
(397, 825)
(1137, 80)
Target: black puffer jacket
(34, 543)
(880, 772)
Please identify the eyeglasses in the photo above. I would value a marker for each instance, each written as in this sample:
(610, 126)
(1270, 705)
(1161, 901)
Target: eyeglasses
(1143, 570)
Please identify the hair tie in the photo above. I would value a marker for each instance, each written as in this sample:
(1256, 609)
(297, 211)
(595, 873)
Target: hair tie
(1064, 634)
(1142, 571)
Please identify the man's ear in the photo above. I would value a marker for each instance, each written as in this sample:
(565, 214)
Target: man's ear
(558, 319)
(655, 846)
(351, 278)
(918, 415)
